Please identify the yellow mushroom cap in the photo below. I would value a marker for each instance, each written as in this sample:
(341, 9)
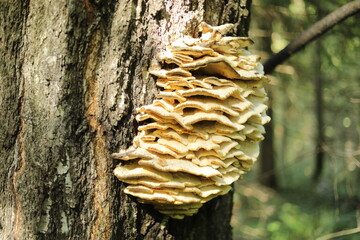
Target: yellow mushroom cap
(202, 133)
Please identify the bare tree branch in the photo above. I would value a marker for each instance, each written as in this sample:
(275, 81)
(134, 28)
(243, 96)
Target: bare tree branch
(340, 233)
(344, 232)
(315, 31)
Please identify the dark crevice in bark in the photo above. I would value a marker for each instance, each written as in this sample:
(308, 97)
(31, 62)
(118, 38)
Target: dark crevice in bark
(13, 17)
(74, 111)
(85, 20)
(20, 165)
(12, 81)
(221, 12)
(244, 26)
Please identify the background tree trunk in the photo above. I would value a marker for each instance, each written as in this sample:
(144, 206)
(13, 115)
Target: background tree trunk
(267, 162)
(71, 75)
(319, 114)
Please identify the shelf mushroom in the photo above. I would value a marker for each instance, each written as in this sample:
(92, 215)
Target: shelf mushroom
(203, 131)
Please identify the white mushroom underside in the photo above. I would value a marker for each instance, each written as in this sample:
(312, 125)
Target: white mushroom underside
(203, 130)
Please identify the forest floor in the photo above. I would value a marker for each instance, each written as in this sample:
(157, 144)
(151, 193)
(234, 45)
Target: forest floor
(302, 211)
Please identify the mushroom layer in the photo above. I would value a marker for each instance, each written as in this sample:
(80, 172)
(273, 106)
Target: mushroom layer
(202, 132)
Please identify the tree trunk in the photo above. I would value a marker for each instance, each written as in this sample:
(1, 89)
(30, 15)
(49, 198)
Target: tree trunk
(268, 175)
(319, 113)
(71, 75)
(267, 161)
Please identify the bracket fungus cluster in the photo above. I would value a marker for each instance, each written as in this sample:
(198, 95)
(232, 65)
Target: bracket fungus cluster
(202, 133)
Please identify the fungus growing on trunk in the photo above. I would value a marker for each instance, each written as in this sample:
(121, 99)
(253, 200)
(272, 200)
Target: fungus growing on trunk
(203, 131)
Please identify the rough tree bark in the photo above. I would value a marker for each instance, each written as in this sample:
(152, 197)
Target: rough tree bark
(71, 75)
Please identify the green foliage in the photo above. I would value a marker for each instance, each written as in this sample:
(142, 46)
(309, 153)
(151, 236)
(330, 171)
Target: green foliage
(293, 222)
(303, 209)
(302, 214)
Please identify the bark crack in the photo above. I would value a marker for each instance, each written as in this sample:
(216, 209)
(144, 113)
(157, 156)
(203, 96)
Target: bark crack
(21, 167)
(101, 226)
(90, 11)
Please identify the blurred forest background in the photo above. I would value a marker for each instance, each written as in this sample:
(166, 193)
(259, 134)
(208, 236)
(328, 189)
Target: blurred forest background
(313, 192)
